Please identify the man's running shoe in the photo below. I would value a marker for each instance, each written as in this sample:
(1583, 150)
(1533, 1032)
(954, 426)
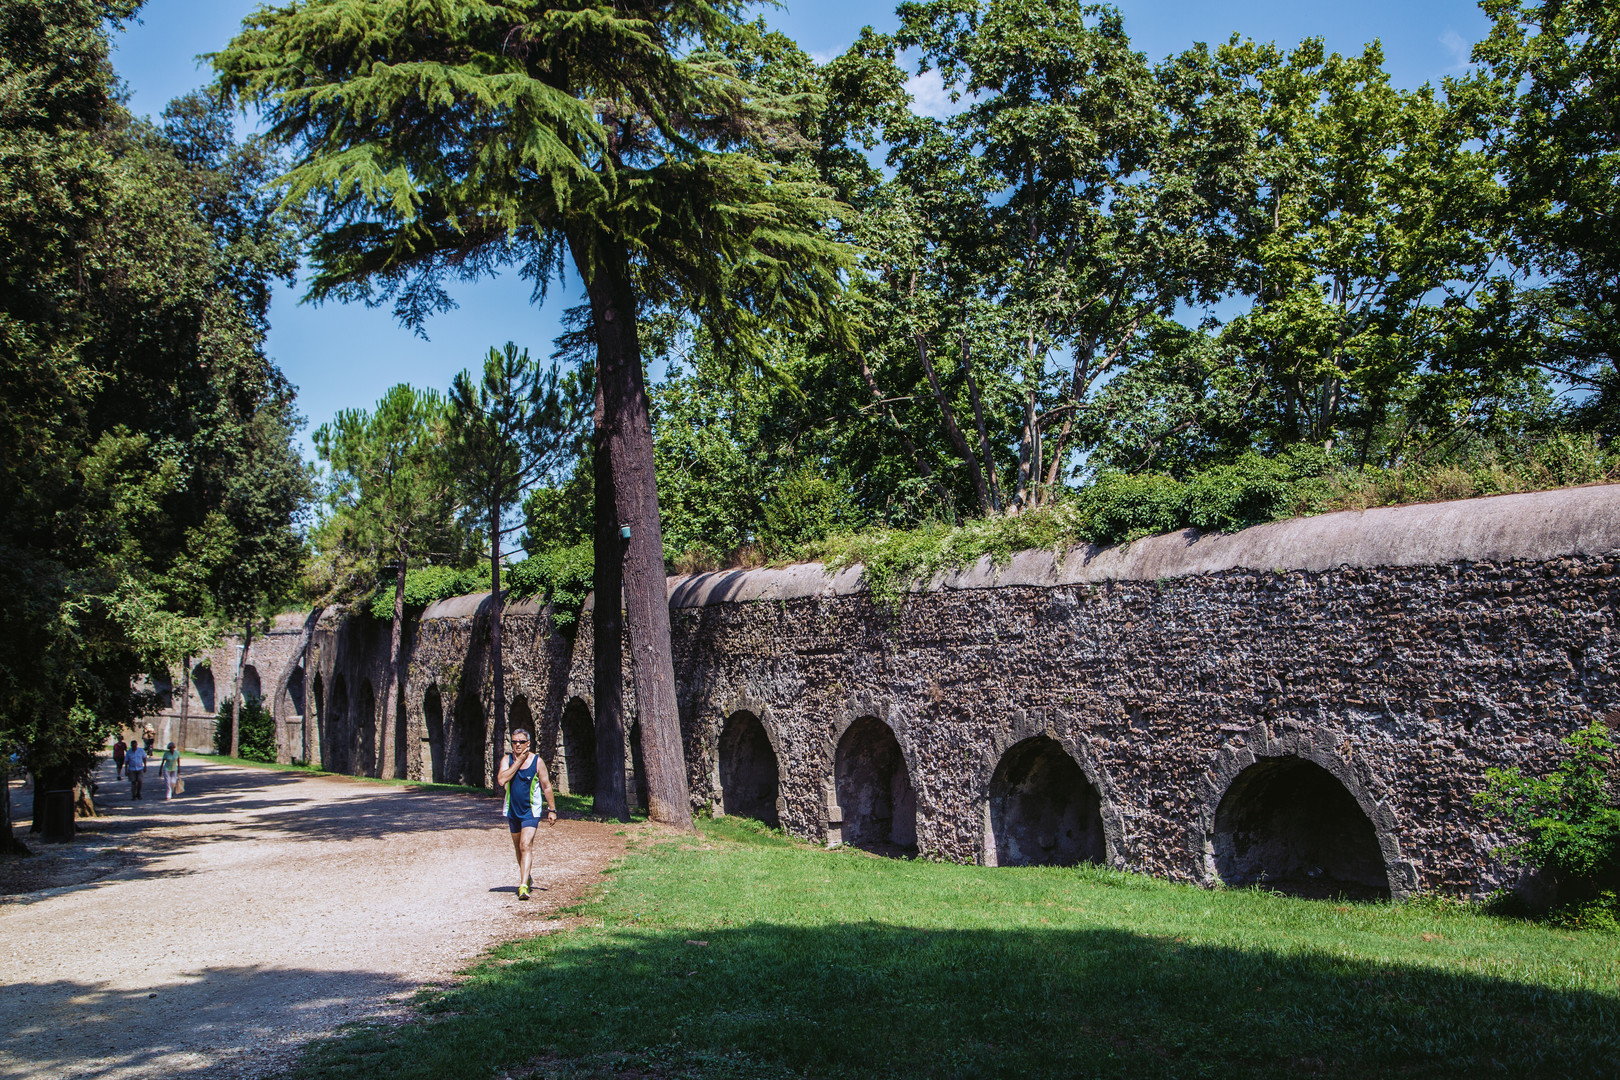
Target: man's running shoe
(523, 892)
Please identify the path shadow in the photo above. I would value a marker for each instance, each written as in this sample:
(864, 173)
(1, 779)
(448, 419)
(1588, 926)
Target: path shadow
(227, 804)
(71, 1029)
(877, 1000)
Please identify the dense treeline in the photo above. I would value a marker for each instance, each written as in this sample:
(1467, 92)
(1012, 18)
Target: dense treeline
(150, 483)
(1241, 282)
(1104, 267)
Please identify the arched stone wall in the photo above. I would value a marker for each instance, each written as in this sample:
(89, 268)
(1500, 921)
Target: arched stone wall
(433, 721)
(877, 801)
(748, 770)
(1404, 651)
(1043, 809)
(1318, 746)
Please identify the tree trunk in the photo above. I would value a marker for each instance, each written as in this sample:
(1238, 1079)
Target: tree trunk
(236, 689)
(498, 721)
(394, 677)
(607, 628)
(9, 844)
(628, 426)
(185, 698)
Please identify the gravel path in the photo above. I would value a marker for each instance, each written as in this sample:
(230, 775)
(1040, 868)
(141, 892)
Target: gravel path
(212, 935)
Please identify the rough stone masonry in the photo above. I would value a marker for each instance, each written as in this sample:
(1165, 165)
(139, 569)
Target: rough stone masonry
(1310, 704)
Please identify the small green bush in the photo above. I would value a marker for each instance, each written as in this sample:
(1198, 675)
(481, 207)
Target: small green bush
(806, 507)
(256, 731)
(1568, 824)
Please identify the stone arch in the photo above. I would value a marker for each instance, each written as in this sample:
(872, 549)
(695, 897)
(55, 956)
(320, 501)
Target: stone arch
(315, 752)
(1044, 810)
(576, 773)
(1021, 726)
(520, 718)
(337, 727)
(295, 689)
(470, 736)
(876, 802)
(202, 681)
(1286, 752)
(433, 720)
(749, 771)
(163, 687)
(1290, 825)
(402, 729)
(366, 730)
(252, 686)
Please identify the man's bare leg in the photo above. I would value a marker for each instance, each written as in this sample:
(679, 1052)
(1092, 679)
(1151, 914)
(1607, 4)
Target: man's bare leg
(524, 842)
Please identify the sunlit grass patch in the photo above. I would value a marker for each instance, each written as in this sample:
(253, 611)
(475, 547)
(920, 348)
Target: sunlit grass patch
(741, 952)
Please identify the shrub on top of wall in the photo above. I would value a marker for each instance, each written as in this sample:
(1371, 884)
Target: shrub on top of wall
(425, 585)
(563, 574)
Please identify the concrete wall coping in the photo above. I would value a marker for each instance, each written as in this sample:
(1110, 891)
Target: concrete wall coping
(1535, 526)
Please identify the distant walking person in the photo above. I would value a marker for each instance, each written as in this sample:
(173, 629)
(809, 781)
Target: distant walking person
(171, 771)
(118, 757)
(523, 775)
(135, 769)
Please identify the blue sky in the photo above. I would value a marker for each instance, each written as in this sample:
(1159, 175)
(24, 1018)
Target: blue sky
(345, 356)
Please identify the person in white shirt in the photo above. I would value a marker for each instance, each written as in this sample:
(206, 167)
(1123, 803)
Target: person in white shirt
(135, 767)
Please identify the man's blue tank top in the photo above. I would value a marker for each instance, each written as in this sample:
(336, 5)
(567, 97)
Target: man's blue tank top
(522, 790)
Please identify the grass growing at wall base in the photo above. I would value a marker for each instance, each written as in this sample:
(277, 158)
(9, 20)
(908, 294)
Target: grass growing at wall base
(740, 953)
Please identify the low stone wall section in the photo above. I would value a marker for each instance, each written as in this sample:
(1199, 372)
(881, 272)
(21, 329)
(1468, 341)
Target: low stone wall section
(1401, 652)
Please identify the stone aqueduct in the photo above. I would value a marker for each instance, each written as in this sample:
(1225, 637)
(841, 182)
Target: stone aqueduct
(1310, 704)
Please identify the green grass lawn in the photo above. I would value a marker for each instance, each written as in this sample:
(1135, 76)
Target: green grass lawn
(743, 954)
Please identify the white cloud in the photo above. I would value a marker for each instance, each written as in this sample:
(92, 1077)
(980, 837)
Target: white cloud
(826, 56)
(1457, 48)
(929, 96)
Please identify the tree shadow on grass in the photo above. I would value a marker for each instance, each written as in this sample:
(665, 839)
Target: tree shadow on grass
(875, 1000)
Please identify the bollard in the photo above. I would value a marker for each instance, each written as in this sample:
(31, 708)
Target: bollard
(58, 810)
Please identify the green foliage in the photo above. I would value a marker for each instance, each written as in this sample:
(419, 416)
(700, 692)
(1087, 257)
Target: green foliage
(150, 483)
(256, 732)
(1568, 822)
(425, 585)
(509, 428)
(562, 576)
(711, 960)
(389, 495)
(1252, 490)
(805, 507)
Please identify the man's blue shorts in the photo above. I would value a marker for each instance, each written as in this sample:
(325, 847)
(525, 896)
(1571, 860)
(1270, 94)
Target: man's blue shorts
(518, 824)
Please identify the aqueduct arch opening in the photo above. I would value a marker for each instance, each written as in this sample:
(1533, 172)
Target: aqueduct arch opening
(1289, 824)
(202, 683)
(520, 718)
(366, 731)
(874, 789)
(433, 719)
(252, 688)
(337, 727)
(749, 774)
(1043, 809)
(470, 736)
(577, 760)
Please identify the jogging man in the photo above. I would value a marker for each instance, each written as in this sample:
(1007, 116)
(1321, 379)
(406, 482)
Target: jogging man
(523, 775)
